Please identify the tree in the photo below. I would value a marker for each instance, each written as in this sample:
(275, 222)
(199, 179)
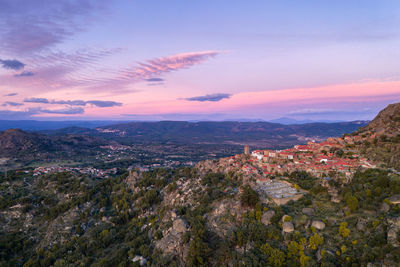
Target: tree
(339, 153)
(351, 202)
(315, 241)
(343, 230)
(249, 197)
(275, 256)
(198, 252)
(295, 250)
(304, 260)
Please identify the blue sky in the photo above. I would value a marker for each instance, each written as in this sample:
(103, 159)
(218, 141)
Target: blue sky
(317, 60)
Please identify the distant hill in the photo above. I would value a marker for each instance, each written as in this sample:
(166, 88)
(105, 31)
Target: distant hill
(264, 134)
(71, 130)
(15, 142)
(32, 125)
(288, 121)
(26, 146)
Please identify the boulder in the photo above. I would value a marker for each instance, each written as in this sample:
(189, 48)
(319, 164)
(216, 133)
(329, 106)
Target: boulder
(392, 237)
(318, 225)
(395, 199)
(142, 261)
(335, 199)
(340, 213)
(308, 211)
(169, 244)
(266, 217)
(394, 221)
(385, 207)
(361, 224)
(319, 256)
(179, 225)
(173, 214)
(287, 227)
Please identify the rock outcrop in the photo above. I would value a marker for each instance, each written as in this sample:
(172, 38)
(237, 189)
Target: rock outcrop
(395, 199)
(287, 227)
(267, 216)
(308, 211)
(318, 225)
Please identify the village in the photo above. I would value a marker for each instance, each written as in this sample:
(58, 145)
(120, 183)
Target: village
(331, 159)
(98, 173)
(319, 159)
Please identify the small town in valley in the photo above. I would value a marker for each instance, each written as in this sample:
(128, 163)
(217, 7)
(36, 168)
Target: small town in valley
(98, 173)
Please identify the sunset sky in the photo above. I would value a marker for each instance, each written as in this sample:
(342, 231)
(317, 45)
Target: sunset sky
(198, 60)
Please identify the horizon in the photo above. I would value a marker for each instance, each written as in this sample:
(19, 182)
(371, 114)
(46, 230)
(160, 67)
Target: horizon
(41, 125)
(84, 60)
(285, 120)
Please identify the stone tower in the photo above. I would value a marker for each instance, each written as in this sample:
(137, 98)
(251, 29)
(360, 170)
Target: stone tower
(246, 150)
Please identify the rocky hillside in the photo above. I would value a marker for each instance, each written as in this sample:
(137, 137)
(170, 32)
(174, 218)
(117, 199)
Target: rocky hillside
(387, 122)
(380, 139)
(195, 217)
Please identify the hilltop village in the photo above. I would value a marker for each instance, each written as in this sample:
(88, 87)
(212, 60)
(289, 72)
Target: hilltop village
(269, 170)
(330, 158)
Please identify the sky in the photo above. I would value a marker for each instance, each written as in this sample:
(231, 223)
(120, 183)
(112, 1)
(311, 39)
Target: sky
(198, 60)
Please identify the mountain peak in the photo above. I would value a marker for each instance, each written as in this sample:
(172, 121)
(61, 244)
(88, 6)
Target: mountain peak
(386, 122)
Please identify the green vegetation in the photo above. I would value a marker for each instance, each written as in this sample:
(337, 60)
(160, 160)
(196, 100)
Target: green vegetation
(249, 197)
(111, 221)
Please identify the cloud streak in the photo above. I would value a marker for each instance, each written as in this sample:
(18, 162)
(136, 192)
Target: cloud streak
(210, 97)
(11, 94)
(158, 66)
(37, 100)
(150, 70)
(12, 64)
(27, 26)
(29, 113)
(96, 103)
(325, 112)
(154, 80)
(103, 104)
(13, 104)
(83, 71)
(65, 111)
(24, 74)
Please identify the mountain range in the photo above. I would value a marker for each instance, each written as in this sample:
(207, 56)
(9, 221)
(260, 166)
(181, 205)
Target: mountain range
(64, 142)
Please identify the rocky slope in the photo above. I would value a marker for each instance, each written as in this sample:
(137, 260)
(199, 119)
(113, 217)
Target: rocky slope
(380, 139)
(194, 217)
(387, 122)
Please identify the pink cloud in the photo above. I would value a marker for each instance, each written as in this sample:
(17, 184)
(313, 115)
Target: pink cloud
(80, 71)
(152, 68)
